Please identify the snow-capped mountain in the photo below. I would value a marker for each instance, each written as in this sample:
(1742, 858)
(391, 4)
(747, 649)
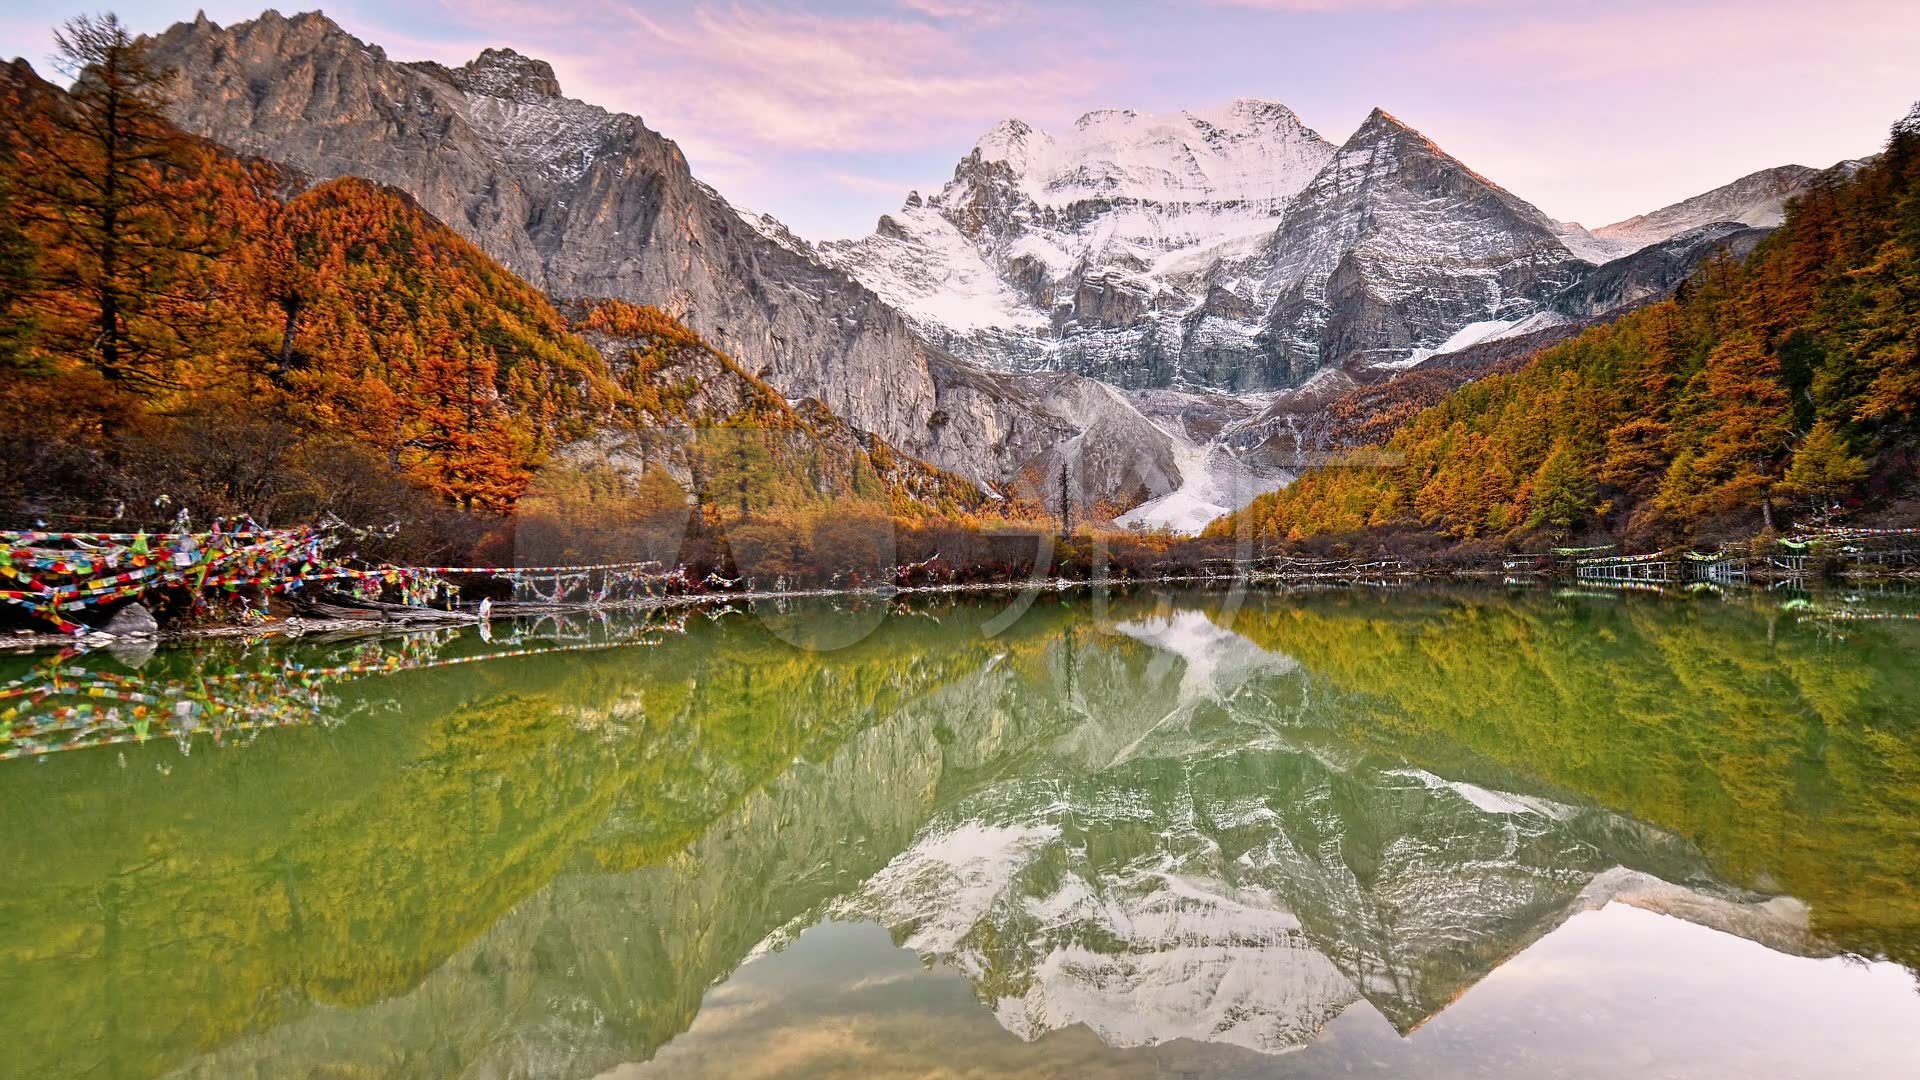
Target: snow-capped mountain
(1082, 251)
(1232, 249)
(1396, 246)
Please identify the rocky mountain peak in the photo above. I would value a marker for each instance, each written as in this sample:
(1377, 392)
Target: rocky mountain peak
(1385, 144)
(1395, 246)
(271, 36)
(1008, 142)
(1253, 106)
(315, 22)
(1005, 133)
(1097, 117)
(1380, 120)
(1255, 117)
(1248, 151)
(503, 73)
(1382, 129)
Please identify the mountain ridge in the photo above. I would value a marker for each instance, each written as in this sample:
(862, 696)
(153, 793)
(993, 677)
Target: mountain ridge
(590, 203)
(344, 323)
(1756, 200)
(1127, 248)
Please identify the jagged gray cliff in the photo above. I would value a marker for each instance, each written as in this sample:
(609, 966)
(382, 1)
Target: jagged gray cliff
(587, 202)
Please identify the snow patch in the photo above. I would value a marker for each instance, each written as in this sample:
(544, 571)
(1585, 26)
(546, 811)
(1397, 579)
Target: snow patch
(1213, 483)
(970, 865)
(1477, 333)
(1490, 801)
(921, 264)
(1218, 661)
(1250, 152)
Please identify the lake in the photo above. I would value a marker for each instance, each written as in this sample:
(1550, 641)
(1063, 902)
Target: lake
(1377, 833)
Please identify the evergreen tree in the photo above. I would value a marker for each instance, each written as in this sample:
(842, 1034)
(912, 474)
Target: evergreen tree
(1635, 456)
(1824, 470)
(95, 173)
(463, 446)
(1562, 492)
(1743, 425)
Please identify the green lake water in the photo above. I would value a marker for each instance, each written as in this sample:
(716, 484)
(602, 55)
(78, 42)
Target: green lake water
(1341, 833)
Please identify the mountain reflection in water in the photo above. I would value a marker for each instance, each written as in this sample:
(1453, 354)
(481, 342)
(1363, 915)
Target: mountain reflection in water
(1394, 832)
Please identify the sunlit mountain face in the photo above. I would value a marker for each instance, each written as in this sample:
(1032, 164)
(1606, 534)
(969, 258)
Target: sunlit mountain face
(1329, 829)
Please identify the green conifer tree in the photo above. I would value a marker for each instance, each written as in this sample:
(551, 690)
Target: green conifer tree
(1824, 470)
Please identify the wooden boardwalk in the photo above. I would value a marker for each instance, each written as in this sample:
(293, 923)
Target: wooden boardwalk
(1657, 568)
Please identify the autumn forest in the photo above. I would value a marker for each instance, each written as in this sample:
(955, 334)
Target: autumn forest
(183, 327)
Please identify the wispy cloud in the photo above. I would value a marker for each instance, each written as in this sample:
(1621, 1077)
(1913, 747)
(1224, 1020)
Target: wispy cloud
(807, 81)
(981, 12)
(759, 77)
(1595, 109)
(809, 110)
(888, 186)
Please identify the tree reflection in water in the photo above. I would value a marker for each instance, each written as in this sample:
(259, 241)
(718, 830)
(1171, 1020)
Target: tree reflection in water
(1164, 823)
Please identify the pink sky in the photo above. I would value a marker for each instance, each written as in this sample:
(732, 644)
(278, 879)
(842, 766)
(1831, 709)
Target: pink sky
(825, 114)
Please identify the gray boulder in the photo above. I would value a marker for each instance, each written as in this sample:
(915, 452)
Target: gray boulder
(133, 621)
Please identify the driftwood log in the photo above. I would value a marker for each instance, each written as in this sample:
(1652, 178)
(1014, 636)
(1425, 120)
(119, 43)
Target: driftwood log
(332, 605)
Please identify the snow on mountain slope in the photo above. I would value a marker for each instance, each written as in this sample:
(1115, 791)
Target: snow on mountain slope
(922, 265)
(1757, 199)
(1395, 246)
(1251, 152)
(1200, 249)
(1213, 483)
(1087, 250)
(1475, 333)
